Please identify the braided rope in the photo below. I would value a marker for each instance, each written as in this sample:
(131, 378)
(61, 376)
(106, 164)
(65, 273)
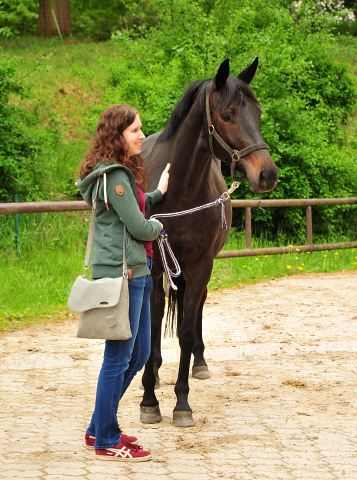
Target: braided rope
(162, 239)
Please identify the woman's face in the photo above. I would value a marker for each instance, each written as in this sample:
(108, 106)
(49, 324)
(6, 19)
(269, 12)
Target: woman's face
(133, 137)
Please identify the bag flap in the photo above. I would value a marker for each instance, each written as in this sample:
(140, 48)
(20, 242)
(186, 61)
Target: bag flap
(86, 294)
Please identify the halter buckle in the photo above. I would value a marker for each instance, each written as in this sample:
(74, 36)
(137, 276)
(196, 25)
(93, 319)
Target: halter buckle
(211, 129)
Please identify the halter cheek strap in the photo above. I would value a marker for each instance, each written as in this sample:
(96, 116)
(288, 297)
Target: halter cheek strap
(236, 155)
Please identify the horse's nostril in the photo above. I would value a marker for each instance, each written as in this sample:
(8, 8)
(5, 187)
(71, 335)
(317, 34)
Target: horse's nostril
(262, 178)
(267, 178)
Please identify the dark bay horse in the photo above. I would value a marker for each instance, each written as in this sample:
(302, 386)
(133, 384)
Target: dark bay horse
(196, 179)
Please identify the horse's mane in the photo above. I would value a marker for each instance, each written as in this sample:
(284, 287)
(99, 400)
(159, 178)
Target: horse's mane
(197, 91)
(181, 110)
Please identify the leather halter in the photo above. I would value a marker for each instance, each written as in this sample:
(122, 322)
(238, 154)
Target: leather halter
(235, 154)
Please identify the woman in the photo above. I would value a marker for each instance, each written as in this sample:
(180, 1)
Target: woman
(115, 157)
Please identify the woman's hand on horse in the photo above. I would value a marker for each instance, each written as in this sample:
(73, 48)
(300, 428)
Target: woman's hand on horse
(164, 180)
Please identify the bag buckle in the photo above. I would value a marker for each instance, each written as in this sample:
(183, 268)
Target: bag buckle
(128, 273)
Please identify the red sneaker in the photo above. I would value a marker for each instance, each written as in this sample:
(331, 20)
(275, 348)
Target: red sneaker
(91, 440)
(123, 452)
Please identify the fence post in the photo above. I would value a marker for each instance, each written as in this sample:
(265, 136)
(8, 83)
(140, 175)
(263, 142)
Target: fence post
(17, 242)
(248, 228)
(308, 225)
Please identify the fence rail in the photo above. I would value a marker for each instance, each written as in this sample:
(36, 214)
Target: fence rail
(291, 202)
(43, 207)
(73, 206)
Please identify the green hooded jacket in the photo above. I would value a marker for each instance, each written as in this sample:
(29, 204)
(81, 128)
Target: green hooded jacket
(123, 208)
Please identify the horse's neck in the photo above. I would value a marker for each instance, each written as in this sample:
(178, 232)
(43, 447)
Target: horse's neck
(191, 159)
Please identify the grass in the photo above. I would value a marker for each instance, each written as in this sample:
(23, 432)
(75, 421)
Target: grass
(36, 284)
(69, 78)
(232, 272)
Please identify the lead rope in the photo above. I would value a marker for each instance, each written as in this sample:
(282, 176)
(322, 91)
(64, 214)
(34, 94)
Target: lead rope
(162, 239)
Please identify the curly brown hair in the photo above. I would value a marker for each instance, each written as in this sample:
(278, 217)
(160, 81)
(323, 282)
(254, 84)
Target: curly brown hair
(109, 144)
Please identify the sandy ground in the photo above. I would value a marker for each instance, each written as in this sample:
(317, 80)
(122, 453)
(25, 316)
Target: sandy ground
(281, 402)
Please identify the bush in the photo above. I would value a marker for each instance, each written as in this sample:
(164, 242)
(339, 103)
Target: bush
(21, 16)
(24, 143)
(96, 19)
(306, 92)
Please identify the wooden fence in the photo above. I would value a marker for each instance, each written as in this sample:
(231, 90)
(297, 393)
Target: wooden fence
(72, 206)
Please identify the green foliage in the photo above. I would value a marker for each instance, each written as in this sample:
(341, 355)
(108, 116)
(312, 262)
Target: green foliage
(23, 142)
(306, 98)
(306, 91)
(345, 27)
(21, 16)
(59, 83)
(96, 19)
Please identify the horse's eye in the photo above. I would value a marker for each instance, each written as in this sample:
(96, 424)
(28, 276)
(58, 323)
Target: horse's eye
(226, 117)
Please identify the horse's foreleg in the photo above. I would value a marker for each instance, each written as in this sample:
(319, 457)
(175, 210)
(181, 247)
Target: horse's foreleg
(196, 283)
(149, 407)
(157, 360)
(199, 368)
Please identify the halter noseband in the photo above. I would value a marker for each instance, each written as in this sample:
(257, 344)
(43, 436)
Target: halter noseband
(235, 154)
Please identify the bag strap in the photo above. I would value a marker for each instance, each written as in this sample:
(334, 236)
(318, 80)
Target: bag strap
(91, 235)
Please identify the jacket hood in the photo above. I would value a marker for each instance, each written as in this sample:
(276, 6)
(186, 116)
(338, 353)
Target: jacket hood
(88, 183)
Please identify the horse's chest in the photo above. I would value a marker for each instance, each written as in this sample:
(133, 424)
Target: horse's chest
(195, 236)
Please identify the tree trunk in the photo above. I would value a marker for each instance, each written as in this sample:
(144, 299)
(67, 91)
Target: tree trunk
(49, 9)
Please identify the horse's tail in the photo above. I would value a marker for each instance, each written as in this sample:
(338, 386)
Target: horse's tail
(174, 315)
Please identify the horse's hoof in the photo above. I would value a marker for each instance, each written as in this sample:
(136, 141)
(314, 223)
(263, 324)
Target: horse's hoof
(183, 419)
(201, 372)
(150, 414)
(157, 384)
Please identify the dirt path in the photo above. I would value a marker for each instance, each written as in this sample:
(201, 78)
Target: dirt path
(281, 403)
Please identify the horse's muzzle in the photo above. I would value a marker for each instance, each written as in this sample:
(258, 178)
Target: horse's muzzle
(262, 178)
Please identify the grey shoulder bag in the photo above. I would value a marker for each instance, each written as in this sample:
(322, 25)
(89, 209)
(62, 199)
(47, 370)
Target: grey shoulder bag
(103, 304)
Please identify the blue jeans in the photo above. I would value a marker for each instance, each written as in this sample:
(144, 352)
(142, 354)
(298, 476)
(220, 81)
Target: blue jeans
(122, 360)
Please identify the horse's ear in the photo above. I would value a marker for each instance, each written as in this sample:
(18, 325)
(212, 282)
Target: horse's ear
(248, 74)
(222, 74)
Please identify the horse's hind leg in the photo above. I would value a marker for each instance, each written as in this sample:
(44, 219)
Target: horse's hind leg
(149, 407)
(199, 368)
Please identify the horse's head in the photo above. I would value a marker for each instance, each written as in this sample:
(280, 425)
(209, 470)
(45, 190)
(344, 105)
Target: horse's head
(236, 119)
